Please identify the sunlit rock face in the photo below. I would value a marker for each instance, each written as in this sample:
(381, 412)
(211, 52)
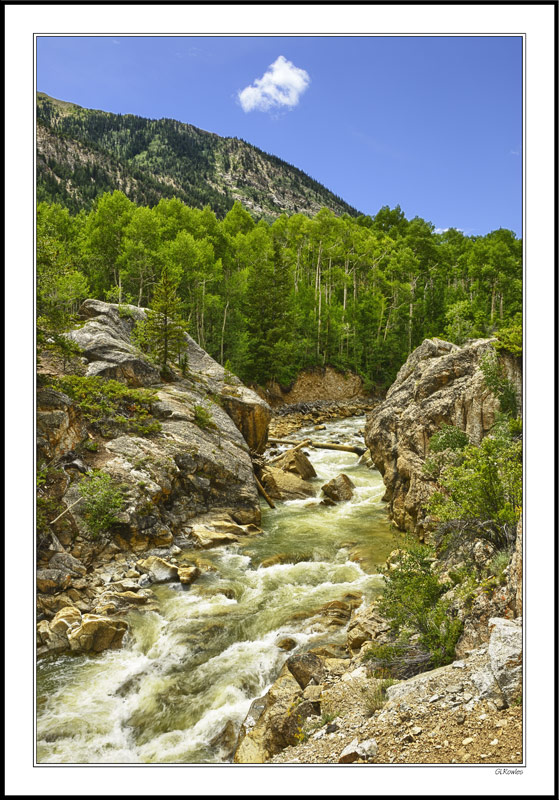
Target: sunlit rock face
(439, 383)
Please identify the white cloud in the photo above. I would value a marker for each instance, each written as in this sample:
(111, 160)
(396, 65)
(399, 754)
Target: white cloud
(281, 86)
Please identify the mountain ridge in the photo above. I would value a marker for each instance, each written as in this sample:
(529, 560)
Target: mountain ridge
(82, 153)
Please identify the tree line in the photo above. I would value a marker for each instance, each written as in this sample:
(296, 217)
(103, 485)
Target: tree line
(269, 299)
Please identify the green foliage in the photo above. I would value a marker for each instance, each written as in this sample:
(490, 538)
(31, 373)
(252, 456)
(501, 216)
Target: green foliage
(126, 312)
(109, 406)
(103, 499)
(162, 334)
(269, 299)
(497, 382)
(498, 565)
(448, 438)
(413, 604)
(203, 418)
(482, 495)
(509, 338)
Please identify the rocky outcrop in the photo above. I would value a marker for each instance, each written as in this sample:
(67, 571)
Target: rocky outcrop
(200, 463)
(492, 672)
(326, 384)
(106, 343)
(514, 576)
(60, 426)
(439, 383)
(70, 631)
(275, 720)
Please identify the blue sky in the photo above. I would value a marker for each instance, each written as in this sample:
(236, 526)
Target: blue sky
(433, 124)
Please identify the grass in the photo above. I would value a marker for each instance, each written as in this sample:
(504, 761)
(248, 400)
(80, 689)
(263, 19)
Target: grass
(375, 696)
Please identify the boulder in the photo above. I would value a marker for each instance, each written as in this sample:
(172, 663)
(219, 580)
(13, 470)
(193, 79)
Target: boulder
(65, 620)
(205, 536)
(188, 575)
(505, 654)
(306, 667)
(274, 721)
(67, 563)
(97, 633)
(339, 488)
(282, 485)
(355, 750)
(366, 625)
(297, 462)
(157, 569)
(439, 383)
(51, 581)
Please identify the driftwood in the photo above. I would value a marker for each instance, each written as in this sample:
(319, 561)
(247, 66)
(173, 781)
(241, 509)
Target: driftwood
(348, 448)
(66, 510)
(264, 493)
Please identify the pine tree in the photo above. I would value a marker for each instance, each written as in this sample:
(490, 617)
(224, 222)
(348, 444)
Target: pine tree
(162, 335)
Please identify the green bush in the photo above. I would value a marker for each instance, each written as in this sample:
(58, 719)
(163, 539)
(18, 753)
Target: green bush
(498, 384)
(109, 406)
(482, 496)
(509, 338)
(412, 603)
(103, 499)
(203, 418)
(448, 438)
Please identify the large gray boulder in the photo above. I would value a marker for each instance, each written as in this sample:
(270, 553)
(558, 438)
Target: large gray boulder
(107, 343)
(439, 383)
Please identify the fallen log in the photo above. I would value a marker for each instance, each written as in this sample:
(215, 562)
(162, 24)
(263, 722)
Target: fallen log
(348, 448)
(264, 493)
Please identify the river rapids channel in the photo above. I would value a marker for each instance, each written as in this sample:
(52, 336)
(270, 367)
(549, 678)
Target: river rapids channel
(187, 671)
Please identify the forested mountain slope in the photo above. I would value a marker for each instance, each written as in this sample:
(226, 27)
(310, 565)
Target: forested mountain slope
(269, 300)
(82, 153)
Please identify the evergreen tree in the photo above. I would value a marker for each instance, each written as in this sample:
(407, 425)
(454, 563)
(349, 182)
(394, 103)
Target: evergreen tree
(163, 334)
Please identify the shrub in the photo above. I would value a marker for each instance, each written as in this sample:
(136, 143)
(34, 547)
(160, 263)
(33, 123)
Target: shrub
(412, 603)
(448, 438)
(109, 406)
(103, 499)
(482, 496)
(126, 312)
(203, 418)
(498, 384)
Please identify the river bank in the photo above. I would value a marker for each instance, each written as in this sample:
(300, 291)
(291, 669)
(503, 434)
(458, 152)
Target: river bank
(195, 657)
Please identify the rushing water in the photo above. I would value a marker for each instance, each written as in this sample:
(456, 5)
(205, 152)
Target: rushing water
(186, 671)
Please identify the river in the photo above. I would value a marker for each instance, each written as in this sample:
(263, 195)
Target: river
(186, 671)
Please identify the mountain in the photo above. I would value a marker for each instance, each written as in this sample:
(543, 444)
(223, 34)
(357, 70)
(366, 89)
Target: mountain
(83, 152)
